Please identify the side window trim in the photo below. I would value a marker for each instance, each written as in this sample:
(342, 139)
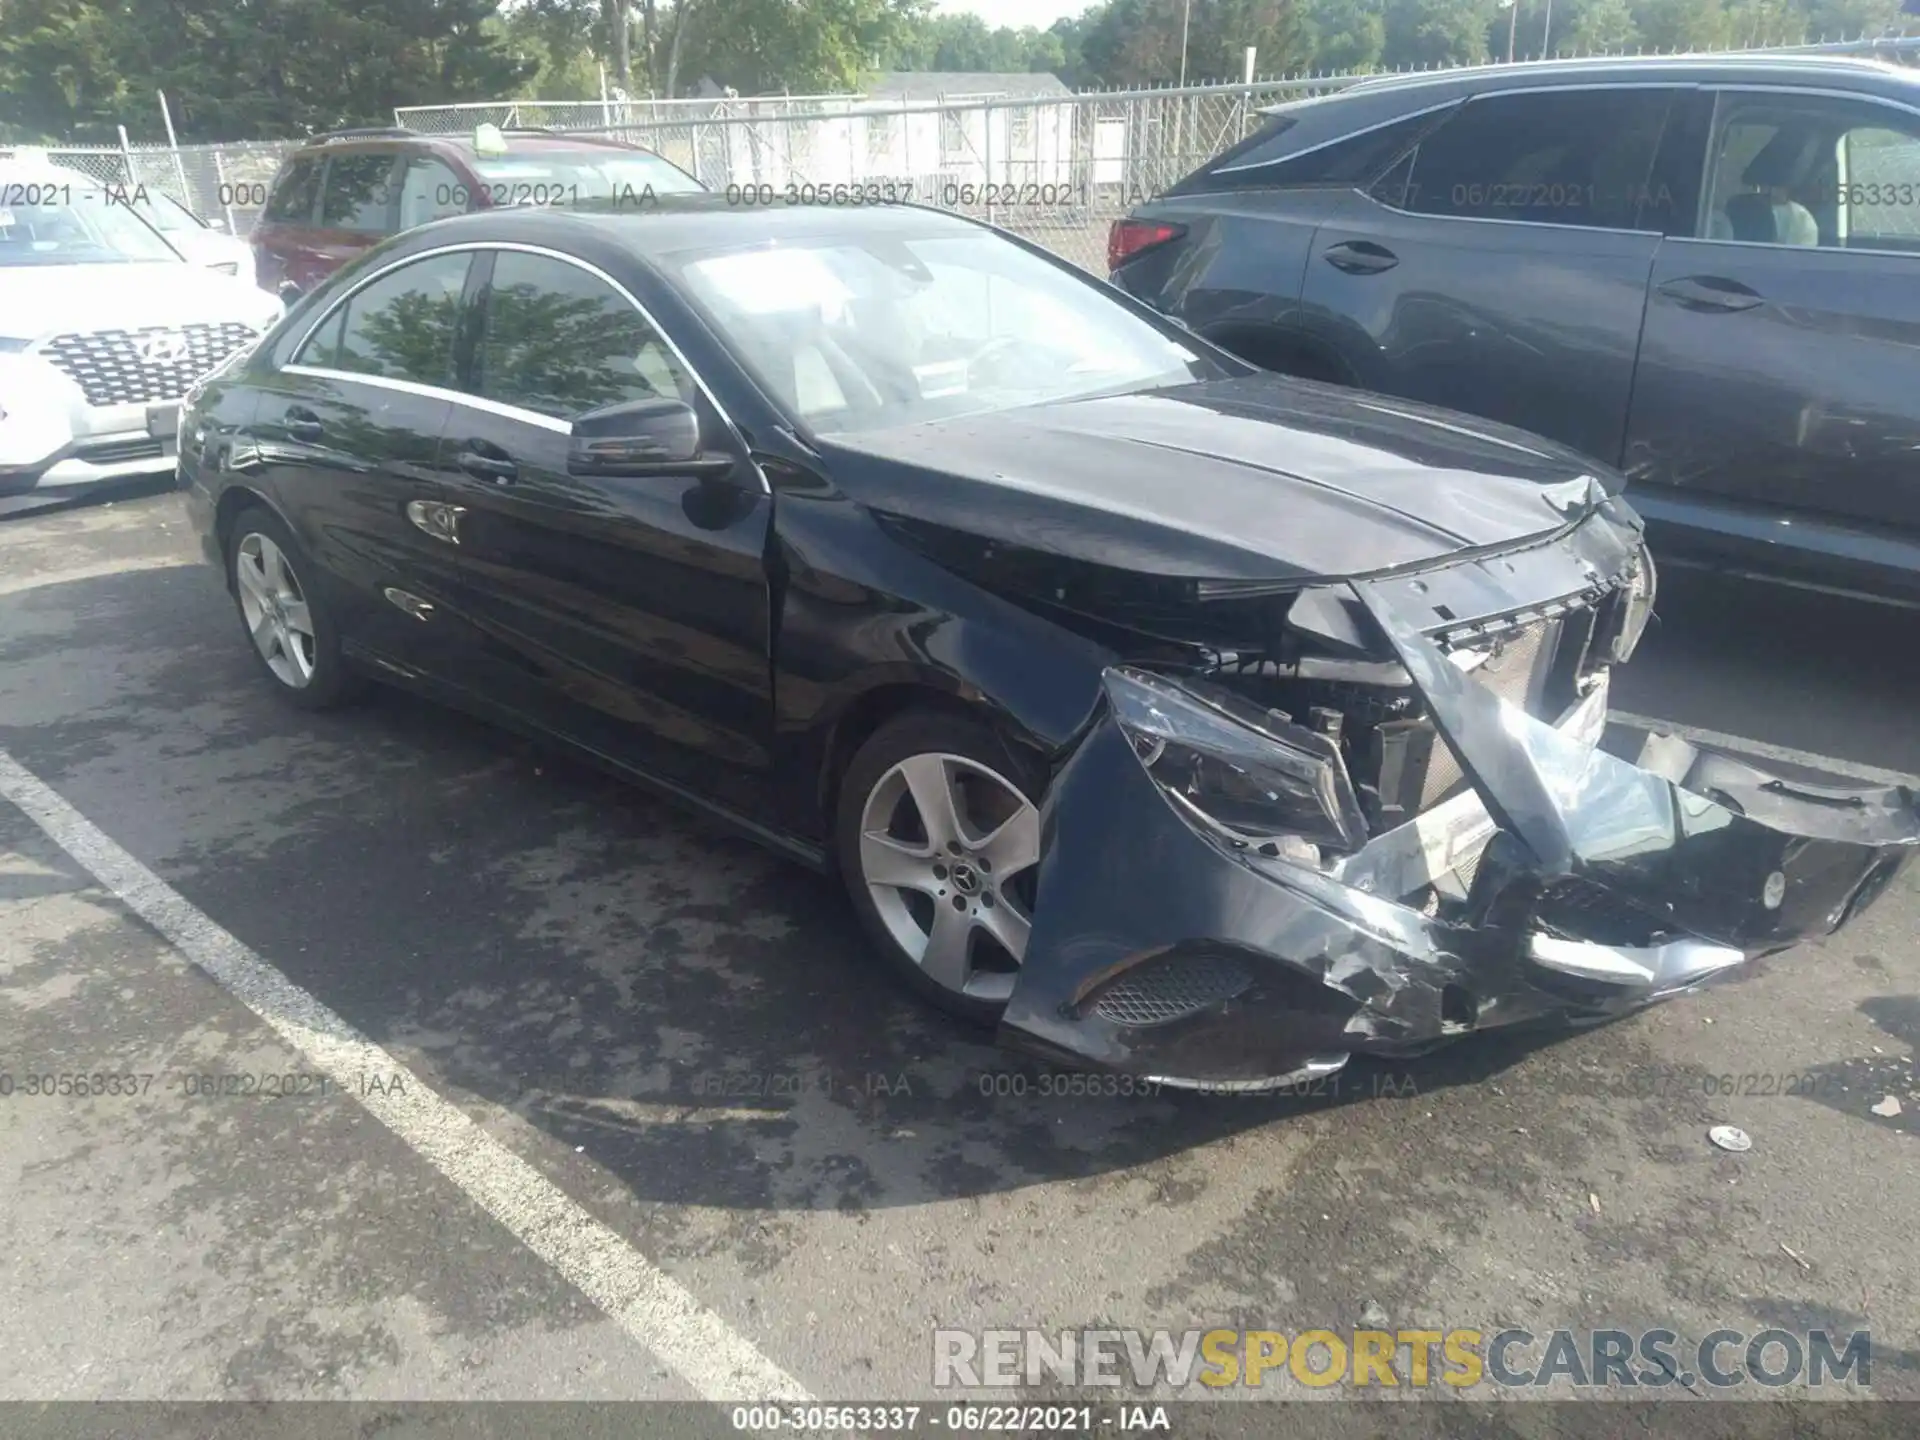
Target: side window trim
(1721, 90)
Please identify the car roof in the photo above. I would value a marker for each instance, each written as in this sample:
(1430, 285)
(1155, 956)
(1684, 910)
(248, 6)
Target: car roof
(31, 168)
(522, 141)
(693, 220)
(1643, 68)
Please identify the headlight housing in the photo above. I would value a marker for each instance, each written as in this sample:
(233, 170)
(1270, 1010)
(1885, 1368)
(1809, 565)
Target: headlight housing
(1254, 775)
(1636, 605)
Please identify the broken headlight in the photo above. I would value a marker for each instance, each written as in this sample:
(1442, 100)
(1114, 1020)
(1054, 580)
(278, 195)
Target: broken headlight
(1252, 773)
(1636, 606)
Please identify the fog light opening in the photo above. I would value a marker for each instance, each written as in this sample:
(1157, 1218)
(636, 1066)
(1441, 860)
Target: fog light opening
(1457, 1009)
(1774, 891)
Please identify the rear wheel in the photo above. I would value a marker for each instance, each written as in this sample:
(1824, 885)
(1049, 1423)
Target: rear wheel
(938, 834)
(287, 623)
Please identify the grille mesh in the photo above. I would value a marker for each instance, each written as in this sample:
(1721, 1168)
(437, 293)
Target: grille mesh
(109, 369)
(1163, 991)
(1511, 673)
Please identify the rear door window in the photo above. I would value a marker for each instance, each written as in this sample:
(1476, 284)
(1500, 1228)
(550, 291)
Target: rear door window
(1353, 160)
(403, 326)
(359, 194)
(1565, 157)
(293, 197)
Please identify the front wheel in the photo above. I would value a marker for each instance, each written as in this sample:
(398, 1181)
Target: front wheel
(287, 623)
(938, 835)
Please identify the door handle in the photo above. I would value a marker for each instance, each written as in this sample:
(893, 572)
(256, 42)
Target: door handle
(1711, 292)
(1360, 257)
(486, 465)
(437, 519)
(302, 423)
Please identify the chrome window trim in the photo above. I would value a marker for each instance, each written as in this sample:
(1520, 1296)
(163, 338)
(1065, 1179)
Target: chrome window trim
(481, 402)
(1720, 89)
(431, 392)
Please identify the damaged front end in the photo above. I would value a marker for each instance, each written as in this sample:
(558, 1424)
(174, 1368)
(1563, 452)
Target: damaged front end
(1398, 826)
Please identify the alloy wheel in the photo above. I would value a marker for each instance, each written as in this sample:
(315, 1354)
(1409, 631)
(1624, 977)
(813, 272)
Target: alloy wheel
(947, 850)
(275, 610)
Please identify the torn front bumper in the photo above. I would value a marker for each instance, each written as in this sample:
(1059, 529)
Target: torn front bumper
(1567, 884)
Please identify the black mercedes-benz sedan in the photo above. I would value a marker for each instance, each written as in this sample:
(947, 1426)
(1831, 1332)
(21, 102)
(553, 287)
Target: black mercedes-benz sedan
(1180, 719)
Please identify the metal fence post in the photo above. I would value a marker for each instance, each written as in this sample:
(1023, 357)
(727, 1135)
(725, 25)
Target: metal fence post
(173, 144)
(223, 197)
(986, 153)
(126, 158)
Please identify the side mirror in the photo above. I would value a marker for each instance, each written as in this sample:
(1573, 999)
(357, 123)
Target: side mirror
(219, 225)
(642, 437)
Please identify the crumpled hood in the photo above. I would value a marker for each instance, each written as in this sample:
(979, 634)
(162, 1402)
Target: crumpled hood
(41, 300)
(1255, 478)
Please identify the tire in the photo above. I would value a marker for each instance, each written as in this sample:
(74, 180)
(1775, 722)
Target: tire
(288, 627)
(946, 904)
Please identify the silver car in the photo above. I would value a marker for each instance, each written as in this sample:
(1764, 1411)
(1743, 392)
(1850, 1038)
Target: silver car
(103, 328)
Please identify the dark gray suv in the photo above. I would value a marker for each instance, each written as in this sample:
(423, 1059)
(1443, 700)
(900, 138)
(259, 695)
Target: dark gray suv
(1703, 271)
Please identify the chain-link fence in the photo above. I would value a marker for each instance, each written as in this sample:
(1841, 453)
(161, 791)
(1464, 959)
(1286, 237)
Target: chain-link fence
(598, 114)
(1058, 170)
(224, 183)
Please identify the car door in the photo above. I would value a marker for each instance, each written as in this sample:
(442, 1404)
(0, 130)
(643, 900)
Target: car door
(1777, 413)
(1500, 267)
(629, 614)
(348, 431)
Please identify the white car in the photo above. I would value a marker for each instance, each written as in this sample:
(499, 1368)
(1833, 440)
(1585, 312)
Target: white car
(203, 242)
(103, 328)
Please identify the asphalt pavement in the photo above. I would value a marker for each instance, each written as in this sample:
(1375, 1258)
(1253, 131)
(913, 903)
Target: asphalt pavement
(469, 1075)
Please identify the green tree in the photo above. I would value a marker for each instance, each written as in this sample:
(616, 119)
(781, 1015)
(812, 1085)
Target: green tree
(57, 72)
(1852, 19)
(1137, 42)
(1594, 27)
(1682, 24)
(767, 46)
(1436, 32)
(242, 68)
(558, 43)
(964, 42)
(1343, 34)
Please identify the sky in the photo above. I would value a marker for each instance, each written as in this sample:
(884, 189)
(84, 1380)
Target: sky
(1037, 13)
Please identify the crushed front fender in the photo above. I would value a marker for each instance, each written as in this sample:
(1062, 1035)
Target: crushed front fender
(1585, 886)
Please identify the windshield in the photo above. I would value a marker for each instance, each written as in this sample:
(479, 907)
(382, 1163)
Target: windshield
(63, 223)
(869, 333)
(597, 174)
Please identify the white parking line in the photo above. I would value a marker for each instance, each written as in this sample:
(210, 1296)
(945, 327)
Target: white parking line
(649, 1305)
(1786, 755)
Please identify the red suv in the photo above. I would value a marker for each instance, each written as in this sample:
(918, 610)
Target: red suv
(346, 192)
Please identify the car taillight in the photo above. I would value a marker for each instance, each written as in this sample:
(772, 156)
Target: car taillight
(1129, 238)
